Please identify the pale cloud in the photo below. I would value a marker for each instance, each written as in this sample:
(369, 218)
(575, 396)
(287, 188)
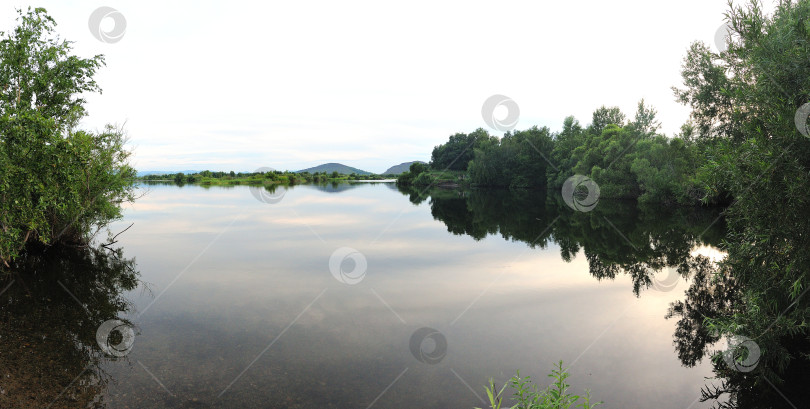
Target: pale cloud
(239, 85)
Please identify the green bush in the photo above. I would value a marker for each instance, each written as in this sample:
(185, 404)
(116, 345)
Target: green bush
(405, 178)
(57, 184)
(418, 167)
(424, 179)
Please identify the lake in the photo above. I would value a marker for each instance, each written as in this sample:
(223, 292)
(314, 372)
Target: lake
(362, 295)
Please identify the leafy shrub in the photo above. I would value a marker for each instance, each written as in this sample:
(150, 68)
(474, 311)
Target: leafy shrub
(424, 179)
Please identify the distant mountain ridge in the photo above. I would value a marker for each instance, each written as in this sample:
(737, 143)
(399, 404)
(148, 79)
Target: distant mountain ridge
(402, 167)
(332, 167)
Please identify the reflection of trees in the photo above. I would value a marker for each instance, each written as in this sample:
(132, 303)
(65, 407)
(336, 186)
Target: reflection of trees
(782, 374)
(49, 351)
(625, 238)
(709, 295)
(617, 237)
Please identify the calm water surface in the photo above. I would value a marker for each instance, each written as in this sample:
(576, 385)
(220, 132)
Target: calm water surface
(238, 307)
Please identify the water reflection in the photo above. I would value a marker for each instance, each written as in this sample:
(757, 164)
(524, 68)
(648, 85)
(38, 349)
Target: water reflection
(253, 315)
(779, 375)
(50, 312)
(642, 242)
(648, 243)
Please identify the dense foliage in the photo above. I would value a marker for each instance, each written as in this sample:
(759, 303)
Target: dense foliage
(629, 160)
(744, 104)
(459, 150)
(57, 184)
(747, 147)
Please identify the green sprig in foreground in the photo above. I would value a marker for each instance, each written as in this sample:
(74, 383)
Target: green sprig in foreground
(528, 396)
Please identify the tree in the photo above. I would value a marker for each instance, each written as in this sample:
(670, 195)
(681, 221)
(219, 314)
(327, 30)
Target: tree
(605, 116)
(38, 73)
(518, 159)
(458, 151)
(562, 155)
(744, 103)
(57, 184)
(418, 167)
(645, 121)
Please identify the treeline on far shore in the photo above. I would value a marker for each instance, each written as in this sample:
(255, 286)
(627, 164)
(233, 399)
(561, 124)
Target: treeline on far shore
(208, 177)
(626, 159)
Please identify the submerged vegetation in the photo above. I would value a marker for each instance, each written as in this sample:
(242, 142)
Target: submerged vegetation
(48, 343)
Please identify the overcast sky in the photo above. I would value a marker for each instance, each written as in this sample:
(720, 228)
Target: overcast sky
(236, 85)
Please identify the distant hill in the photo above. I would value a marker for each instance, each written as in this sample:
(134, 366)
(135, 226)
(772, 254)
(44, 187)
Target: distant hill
(331, 167)
(402, 167)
